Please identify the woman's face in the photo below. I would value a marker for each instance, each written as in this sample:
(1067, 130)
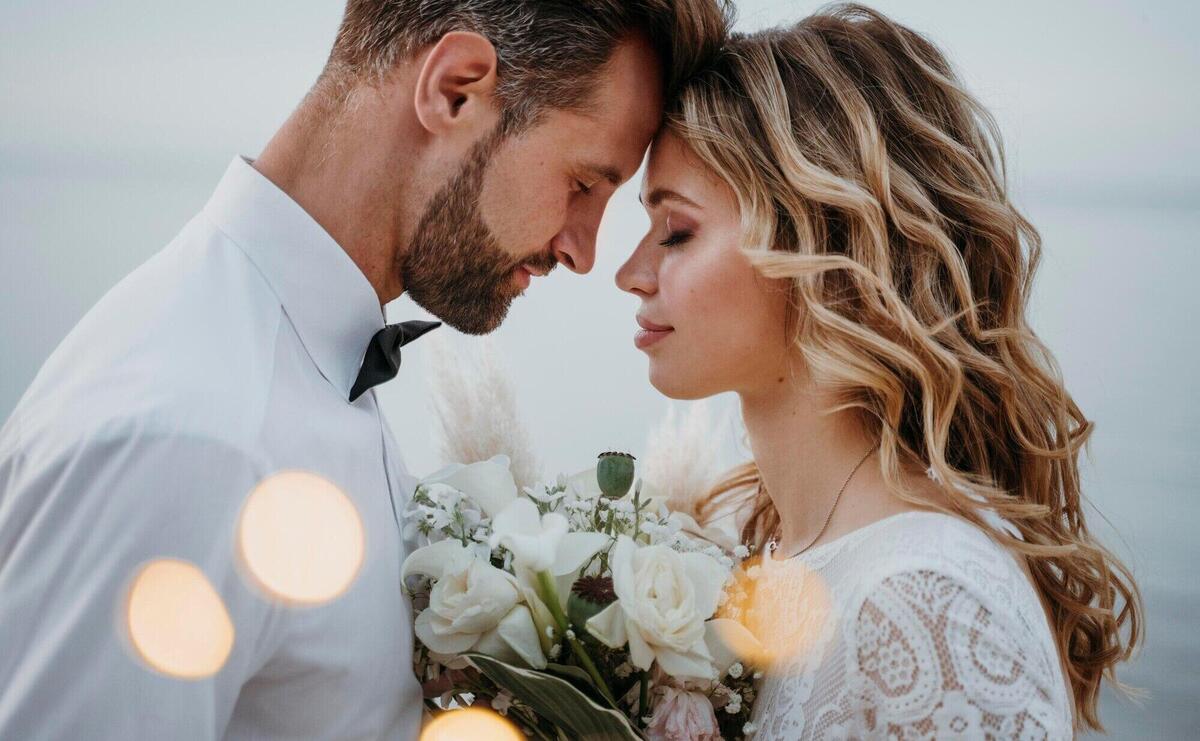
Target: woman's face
(710, 322)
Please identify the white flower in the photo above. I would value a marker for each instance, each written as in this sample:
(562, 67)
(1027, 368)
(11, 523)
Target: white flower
(488, 483)
(663, 601)
(730, 643)
(541, 542)
(735, 704)
(543, 495)
(741, 551)
(472, 606)
(502, 702)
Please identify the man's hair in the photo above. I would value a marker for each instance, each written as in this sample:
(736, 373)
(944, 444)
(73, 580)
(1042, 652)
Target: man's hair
(550, 52)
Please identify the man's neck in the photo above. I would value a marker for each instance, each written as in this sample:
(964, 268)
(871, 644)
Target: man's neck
(338, 167)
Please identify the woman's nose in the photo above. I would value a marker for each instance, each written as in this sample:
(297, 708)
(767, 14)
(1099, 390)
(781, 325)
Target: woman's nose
(637, 275)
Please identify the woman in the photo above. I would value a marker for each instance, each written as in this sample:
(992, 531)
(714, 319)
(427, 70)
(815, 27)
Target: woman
(832, 240)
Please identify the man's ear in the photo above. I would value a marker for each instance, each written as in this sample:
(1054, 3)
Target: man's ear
(457, 84)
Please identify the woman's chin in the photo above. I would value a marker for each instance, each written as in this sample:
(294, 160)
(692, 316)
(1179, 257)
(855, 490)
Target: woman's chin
(675, 385)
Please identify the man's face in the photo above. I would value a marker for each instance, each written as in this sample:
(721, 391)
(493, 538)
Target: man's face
(520, 205)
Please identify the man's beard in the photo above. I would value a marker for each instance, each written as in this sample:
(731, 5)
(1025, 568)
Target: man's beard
(454, 267)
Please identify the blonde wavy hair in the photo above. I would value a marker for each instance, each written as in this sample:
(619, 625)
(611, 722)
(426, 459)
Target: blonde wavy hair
(868, 177)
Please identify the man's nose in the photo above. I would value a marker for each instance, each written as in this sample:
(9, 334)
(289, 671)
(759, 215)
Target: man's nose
(576, 256)
(575, 247)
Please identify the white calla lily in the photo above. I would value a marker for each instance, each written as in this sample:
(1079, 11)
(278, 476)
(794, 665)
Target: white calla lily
(488, 483)
(515, 640)
(541, 542)
(729, 642)
(663, 600)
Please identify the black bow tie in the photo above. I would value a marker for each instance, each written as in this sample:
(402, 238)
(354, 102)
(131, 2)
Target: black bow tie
(382, 360)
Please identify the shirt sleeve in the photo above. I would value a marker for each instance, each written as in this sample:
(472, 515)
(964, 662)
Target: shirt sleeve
(76, 525)
(933, 656)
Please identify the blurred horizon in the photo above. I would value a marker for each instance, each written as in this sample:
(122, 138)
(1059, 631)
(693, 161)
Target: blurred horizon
(121, 117)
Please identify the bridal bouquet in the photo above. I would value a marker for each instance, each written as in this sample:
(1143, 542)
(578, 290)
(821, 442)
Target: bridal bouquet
(582, 609)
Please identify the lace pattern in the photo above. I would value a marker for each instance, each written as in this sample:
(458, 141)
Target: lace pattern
(916, 627)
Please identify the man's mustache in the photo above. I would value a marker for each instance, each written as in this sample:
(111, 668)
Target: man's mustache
(542, 263)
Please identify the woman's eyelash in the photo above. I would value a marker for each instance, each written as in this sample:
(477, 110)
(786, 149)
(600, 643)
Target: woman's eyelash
(676, 238)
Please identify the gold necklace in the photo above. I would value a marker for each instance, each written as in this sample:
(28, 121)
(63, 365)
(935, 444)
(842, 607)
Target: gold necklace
(775, 543)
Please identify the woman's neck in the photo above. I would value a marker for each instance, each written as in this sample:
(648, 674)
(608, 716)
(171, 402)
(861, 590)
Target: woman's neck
(805, 454)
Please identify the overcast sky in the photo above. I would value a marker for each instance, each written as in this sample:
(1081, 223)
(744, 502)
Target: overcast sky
(1092, 94)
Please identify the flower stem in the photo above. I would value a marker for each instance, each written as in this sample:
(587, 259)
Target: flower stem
(549, 595)
(642, 696)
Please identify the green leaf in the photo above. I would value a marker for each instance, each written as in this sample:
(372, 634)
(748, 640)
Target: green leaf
(557, 701)
(567, 671)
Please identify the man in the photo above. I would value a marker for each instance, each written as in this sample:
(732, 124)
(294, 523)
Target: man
(451, 149)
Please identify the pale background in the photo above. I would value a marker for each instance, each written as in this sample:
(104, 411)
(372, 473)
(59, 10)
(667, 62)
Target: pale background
(119, 117)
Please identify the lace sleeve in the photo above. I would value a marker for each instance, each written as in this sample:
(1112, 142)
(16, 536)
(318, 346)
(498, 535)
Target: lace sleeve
(932, 656)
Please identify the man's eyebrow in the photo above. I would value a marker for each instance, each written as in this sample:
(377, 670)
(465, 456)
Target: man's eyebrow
(609, 173)
(658, 195)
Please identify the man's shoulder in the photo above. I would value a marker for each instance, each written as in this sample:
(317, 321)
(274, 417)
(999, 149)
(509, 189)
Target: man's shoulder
(184, 344)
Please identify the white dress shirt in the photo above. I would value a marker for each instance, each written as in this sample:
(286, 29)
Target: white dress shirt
(226, 357)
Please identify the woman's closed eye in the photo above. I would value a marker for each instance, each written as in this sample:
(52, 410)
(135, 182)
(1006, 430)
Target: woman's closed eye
(676, 238)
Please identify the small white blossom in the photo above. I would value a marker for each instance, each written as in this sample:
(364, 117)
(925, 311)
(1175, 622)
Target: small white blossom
(749, 728)
(741, 551)
(736, 670)
(570, 634)
(502, 702)
(556, 651)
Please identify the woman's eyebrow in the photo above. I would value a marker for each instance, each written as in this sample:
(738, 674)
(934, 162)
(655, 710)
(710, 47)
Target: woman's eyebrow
(658, 195)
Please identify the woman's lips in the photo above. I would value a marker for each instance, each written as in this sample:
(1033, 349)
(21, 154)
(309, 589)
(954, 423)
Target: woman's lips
(650, 333)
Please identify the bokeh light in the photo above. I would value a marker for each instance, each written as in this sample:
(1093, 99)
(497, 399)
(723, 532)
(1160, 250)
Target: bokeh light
(301, 538)
(786, 605)
(470, 724)
(176, 620)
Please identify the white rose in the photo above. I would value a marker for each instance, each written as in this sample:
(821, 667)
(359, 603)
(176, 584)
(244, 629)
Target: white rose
(472, 606)
(663, 600)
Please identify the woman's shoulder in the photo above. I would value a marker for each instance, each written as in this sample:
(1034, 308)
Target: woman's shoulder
(931, 541)
(940, 593)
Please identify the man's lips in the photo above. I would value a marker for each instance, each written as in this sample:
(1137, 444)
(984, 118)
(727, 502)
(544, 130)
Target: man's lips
(525, 272)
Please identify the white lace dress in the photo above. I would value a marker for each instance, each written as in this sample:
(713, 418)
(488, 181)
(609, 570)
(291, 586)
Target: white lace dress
(918, 626)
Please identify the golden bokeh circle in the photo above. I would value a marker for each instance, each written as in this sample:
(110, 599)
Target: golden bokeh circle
(176, 621)
(470, 724)
(301, 538)
(786, 605)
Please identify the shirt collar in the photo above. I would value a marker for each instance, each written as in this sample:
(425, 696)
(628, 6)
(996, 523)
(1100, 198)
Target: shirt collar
(330, 302)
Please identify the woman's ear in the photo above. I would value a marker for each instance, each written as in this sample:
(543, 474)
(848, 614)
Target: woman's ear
(456, 85)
